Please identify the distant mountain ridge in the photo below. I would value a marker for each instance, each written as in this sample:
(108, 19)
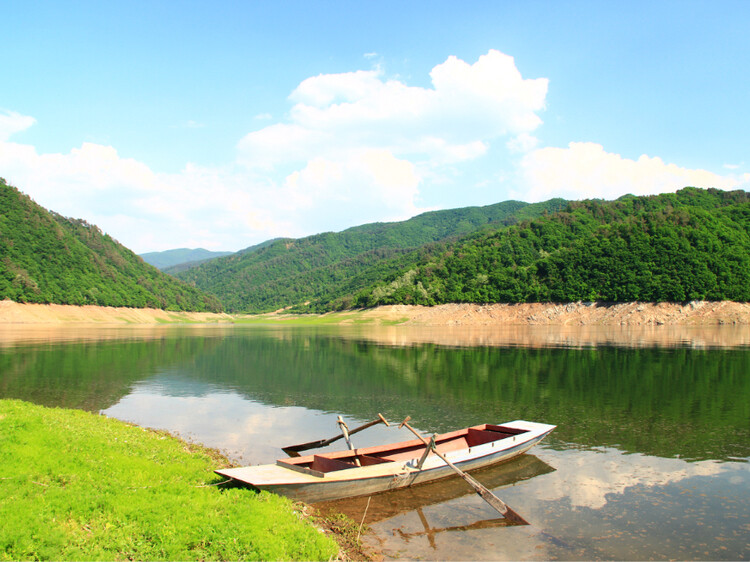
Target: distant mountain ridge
(170, 258)
(180, 267)
(322, 268)
(48, 258)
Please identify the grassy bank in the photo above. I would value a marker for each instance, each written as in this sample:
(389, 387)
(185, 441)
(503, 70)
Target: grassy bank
(77, 486)
(356, 317)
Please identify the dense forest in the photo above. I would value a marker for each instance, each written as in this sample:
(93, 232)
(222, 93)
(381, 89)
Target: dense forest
(47, 258)
(693, 244)
(327, 269)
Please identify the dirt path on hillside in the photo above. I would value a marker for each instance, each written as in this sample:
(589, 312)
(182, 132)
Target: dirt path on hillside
(697, 313)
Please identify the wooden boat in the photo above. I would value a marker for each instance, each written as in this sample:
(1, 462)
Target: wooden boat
(336, 475)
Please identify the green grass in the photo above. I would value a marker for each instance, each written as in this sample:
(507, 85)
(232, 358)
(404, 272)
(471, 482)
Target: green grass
(332, 318)
(394, 322)
(77, 486)
(290, 320)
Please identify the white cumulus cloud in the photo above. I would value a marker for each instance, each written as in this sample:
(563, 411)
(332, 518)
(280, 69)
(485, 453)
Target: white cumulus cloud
(214, 208)
(365, 143)
(366, 184)
(467, 106)
(585, 170)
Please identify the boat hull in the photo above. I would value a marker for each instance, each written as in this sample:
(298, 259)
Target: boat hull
(368, 480)
(323, 491)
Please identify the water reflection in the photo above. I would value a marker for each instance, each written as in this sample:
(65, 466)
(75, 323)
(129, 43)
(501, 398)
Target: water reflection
(691, 512)
(642, 465)
(694, 337)
(668, 402)
(12, 335)
(248, 431)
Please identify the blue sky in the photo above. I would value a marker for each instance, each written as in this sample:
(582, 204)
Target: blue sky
(220, 125)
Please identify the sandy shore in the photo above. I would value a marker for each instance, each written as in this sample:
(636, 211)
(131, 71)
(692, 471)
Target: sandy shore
(697, 313)
(21, 313)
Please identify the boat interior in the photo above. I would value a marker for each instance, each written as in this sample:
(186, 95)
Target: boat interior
(407, 450)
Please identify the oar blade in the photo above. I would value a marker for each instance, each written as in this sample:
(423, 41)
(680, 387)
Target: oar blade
(294, 450)
(511, 515)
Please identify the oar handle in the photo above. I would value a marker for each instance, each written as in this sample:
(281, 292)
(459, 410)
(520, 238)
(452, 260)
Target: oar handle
(380, 419)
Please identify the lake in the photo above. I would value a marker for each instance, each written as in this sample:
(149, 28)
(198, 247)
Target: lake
(650, 459)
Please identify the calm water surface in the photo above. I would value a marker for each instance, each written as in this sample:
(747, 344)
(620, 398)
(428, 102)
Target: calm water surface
(650, 459)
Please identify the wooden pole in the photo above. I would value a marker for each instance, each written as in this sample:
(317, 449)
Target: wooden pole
(345, 433)
(499, 505)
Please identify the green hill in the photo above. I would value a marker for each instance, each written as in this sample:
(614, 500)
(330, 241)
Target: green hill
(47, 258)
(329, 266)
(170, 258)
(689, 245)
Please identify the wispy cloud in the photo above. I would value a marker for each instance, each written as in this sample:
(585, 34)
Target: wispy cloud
(12, 122)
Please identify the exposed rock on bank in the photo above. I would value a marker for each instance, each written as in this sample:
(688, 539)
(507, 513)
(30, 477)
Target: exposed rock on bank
(696, 313)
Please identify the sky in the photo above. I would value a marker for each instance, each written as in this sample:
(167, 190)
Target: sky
(219, 125)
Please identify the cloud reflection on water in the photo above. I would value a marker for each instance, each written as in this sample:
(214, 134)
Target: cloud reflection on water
(248, 431)
(587, 478)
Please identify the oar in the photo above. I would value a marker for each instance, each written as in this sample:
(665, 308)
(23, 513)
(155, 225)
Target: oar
(486, 495)
(293, 450)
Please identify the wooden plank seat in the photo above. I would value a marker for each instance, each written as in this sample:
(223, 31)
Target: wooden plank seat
(325, 464)
(480, 436)
(368, 460)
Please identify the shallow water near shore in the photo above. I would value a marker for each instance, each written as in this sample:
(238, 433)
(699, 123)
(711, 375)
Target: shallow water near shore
(650, 460)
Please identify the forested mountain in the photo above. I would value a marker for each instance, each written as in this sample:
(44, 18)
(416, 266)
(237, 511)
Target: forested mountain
(689, 245)
(170, 258)
(693, 244)
(327, 267)
(47, 258)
